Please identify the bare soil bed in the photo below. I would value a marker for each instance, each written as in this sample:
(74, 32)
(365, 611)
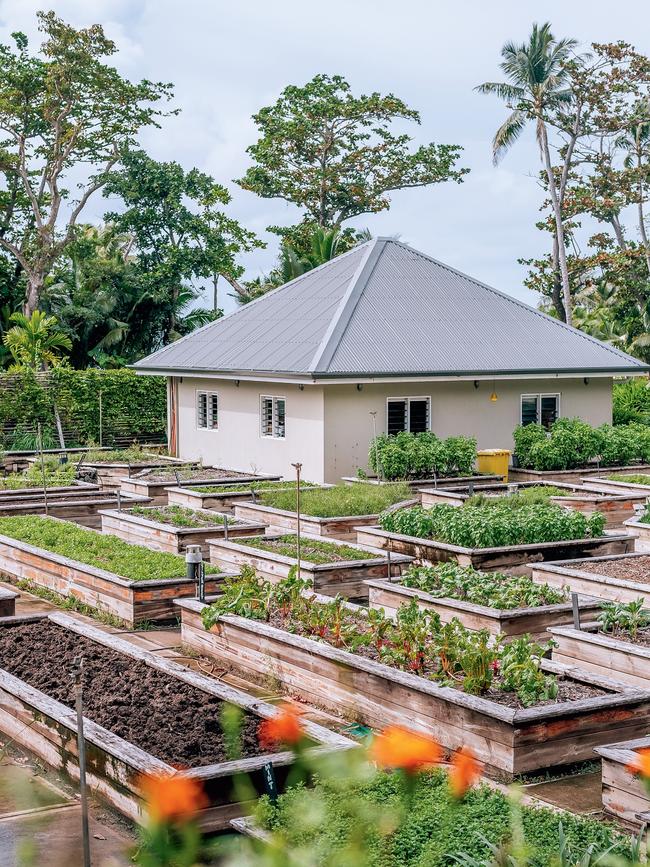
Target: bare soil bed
(632, 569)
(641, 639)
(172, 720)
(186, 473)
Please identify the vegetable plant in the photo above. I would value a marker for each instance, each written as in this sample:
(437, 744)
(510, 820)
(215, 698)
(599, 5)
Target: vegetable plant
(179, 516)
(416, 456)
(311, 550)
(627, 617)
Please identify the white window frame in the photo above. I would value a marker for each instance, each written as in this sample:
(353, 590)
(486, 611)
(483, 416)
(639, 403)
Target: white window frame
(407, 400)
(211, 398)
(274, 435)
(538, 396)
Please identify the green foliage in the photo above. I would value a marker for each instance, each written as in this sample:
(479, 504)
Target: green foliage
(341, 500)
(625, 617)
(132, 562)
(56, 475)
(416, 641)
(422, 455)
(493, 589)
(179, 516)
(493, 526)
(133, 406)
(251, 486)
(631, 479)
(631, 401)
(35, 342)
(572, 443)
(334, 154)
(339, 816)
(134, 454)
(522, 497)
(311, 550)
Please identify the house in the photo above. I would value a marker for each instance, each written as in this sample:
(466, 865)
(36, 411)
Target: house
(381, 339)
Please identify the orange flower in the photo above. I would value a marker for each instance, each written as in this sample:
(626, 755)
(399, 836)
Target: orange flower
(464, 772)
(284, 728)
(642, 764)
(397, 747)
(172, 797)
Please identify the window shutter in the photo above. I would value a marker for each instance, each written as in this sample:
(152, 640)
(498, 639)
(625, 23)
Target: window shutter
(549, 411)
(529, 409)
(267, 417)
(202, 409)
(418, 416)
(280, 415)
(213, 418)
(396, 417)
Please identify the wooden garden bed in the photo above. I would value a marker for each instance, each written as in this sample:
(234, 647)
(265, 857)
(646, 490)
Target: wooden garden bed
(109, 474)
(509, 741)
(448, 482)
(220, 498)
(508, 557)
(8, 602)
(166, 537)
(619, 578)
(613, 486)
(641, 532)
(57, 492)
(82, 507)
(604, 654)
(347, 577)
(390, 595)
(617, 507)
(47, 728)
(518, 474)
(132, 601)
(144, 485)
(624, 794)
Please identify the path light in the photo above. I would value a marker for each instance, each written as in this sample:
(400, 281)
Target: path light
(195, 569)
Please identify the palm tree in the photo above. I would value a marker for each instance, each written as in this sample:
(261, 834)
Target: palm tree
(35, 342)
(537, 84)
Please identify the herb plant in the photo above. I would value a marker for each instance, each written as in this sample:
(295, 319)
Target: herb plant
(624, 617)
(311, 550)
(179, 516)
(340, 500)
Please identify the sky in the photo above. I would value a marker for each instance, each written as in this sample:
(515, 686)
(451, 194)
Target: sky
(228, 59)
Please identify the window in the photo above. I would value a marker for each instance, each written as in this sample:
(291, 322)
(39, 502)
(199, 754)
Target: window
(207, 414)
(541, 409)
(407, 413)
(272, 417)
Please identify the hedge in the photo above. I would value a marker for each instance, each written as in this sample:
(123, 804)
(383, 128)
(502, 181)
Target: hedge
(133, 407)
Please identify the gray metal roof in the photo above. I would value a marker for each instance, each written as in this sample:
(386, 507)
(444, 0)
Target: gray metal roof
(384, 309)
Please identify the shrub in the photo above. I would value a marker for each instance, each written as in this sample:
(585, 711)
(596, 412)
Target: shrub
(493, 526)
(408, 455)
(525, 437)
(631, 401)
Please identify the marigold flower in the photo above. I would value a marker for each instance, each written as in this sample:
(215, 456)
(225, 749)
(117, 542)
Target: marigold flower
(284, 728)
(641, 765)
(464, 772)
(172, 797)
(398, 747)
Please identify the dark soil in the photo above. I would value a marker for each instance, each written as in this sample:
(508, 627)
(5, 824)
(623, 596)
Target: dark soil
(635, 569)
(196, 473)
(568, 690)
(642, 638)
(164, 716)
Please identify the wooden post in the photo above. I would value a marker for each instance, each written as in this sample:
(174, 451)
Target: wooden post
(225, 527)
(297, 468)
(575, 604)
(380, 473)
(390, 571)
(44, 478)
(101, 420)
(77, 673)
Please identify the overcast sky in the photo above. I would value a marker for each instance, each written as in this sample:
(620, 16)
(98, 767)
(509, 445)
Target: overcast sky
(228, 59)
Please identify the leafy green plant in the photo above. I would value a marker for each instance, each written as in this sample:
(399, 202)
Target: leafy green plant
(519, 666)
(340, 500)
(493, 526)
(179, 516)
(251, 487)
(133, 562)
(56, 475)
(133, 455)
(522, 497)
(627, 617)
(494, 589)
(311, 550)
(631, 402)
(631, 479)
(417, 456)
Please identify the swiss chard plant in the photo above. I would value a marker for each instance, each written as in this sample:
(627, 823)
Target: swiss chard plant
(624, 617)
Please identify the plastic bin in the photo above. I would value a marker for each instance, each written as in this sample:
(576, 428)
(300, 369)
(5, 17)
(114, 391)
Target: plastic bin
(494, 462)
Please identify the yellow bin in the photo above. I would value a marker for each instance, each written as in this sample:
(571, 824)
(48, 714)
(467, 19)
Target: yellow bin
(494, 462)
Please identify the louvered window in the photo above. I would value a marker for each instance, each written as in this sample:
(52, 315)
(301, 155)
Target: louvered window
(207, 410)
(411, 414)
(272, 417)
(541, 409)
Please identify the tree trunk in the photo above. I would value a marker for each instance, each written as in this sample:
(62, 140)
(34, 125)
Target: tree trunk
(556, 288)
(618, 232)
(559, 226)
(642, 231)
(33, 296)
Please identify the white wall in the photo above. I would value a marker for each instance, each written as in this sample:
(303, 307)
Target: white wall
(456, 408)
(237, 444)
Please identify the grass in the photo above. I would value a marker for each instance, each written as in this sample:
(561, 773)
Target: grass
(71, 603)
(633, 479)
(339, 501)
(311, 550)
(134, 454)
(249, 486)
(133, 562)
(178, 516)
(322, 820)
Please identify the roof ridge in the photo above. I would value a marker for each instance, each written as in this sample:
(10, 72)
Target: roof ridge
(588, 337)
(263, 297)
(339, 322)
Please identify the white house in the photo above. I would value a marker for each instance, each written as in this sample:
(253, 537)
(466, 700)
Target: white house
(382, 338)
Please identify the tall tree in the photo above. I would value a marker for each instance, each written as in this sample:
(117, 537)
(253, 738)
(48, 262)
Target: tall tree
(181, 235)
(64, 113)
(537, 85)
(335, 156)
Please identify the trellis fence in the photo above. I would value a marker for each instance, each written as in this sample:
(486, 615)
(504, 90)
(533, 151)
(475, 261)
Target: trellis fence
(101, 407)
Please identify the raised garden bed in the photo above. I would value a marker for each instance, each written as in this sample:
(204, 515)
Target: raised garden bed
(109, 466)
(509, 739)
(448, 482)
(8, 602)
(611, 655)
(130, 697)
(641, 530)
(81, 505)
(618, 578)
(617, 507)
(26, 553)
(510, 557)
(331, 512)
(624, 794)
(518, 474)
(330, 566)
(506, 622)
(155, 482)
(223, 498)
(173, 528)
(620, 483)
